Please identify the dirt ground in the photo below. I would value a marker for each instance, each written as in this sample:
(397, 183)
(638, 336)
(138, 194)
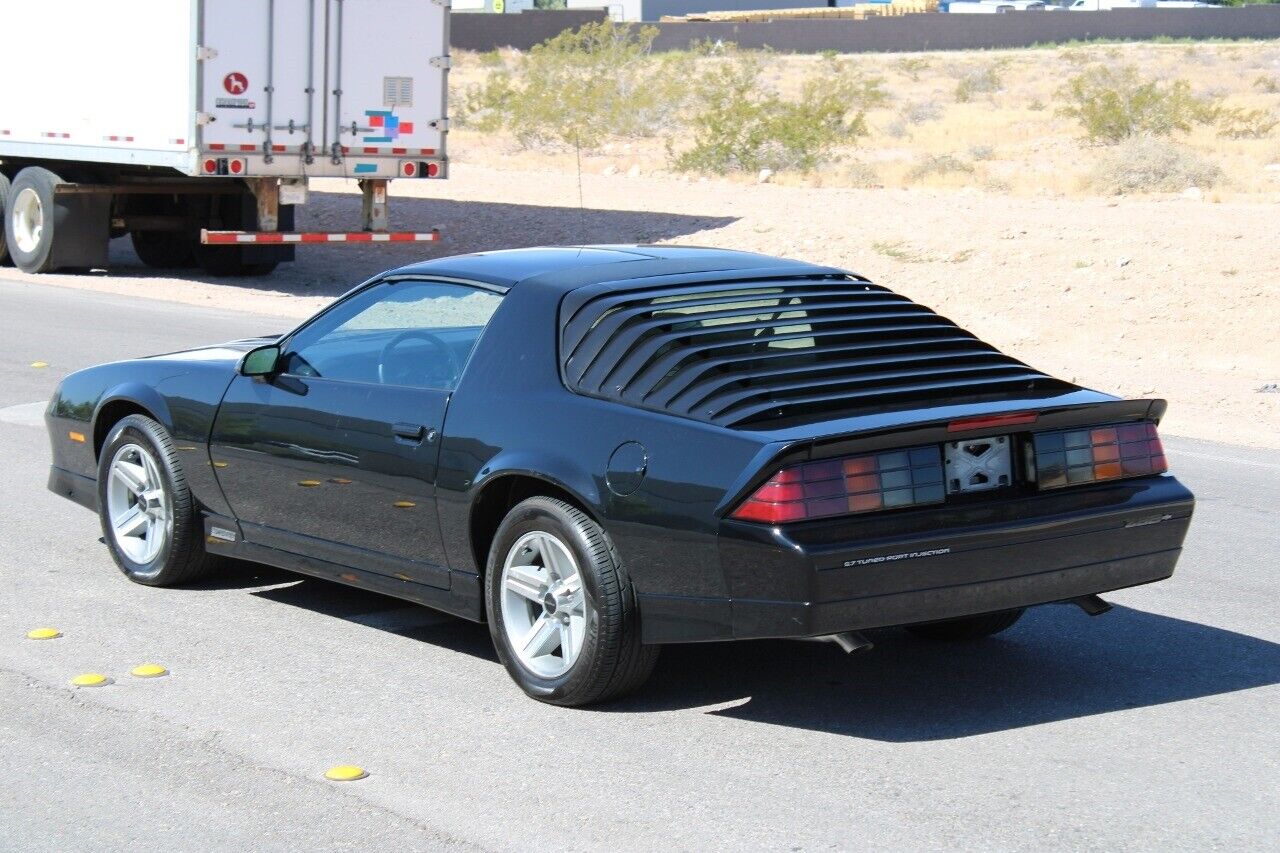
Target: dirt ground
(1169, 298)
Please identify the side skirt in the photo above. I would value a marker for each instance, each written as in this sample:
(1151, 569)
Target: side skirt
(222, 537)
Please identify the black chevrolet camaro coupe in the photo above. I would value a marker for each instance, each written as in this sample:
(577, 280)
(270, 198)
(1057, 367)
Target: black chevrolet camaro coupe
(601, 450)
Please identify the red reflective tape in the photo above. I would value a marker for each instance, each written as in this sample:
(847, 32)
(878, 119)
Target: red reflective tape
(406, 127)
(4, 133)
(219, 238)
(370, 150)
(277, 148)
(217, 146)
(399, 150)
(360, 237)
(428, 151)
(346, 150)
(269, 237)
(248, 147)
(50, 135)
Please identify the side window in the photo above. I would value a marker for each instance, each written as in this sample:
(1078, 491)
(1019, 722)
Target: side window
(411, 333)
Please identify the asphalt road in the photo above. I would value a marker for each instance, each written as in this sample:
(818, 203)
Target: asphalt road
(1152, 727)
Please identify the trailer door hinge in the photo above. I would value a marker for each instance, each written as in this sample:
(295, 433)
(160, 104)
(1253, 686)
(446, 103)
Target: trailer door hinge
(439, 61)
(205, 118)
(440, 124)
(205, 54)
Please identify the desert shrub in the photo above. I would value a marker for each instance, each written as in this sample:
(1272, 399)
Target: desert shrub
(740, 125)
(981, 81)
(1151, 164)
(982, 152)
(1267, 83)
(920, 112)
(860, 175)
(1238, 123)
(580, 87)
(1113, 104)
(912, 66)
(938, 164)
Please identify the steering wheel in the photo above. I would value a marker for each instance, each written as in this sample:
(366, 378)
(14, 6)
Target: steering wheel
(417, 334)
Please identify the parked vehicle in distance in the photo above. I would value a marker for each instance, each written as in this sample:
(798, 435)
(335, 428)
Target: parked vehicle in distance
(1106, 5)
(992, 7)
(600, 450)
(194, 127)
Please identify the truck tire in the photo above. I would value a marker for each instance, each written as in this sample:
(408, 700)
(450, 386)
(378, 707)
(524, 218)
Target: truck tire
(166, 250)
(4, 251)
(969, 627)
(31, 220)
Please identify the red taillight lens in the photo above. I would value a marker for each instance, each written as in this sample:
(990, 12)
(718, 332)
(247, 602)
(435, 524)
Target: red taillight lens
(433, 169)
(236, 167)
(210, 166)
(887, 480)
(1070, 457)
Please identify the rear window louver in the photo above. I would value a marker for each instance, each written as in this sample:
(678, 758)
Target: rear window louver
(756, 353)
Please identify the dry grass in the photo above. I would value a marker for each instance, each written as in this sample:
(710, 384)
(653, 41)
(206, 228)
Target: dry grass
(1009, 135)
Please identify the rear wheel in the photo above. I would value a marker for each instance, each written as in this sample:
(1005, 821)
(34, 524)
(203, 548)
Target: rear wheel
(561, 610)
(30, 221)
(149, 518)
(174, 250)
(968, 628)
(4, 250)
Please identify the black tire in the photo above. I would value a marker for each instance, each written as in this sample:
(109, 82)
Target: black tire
(182, 558)
(612, 661)
(166, 250)
(968, 628)
(4, 250)
(227, 261)
(42, 183)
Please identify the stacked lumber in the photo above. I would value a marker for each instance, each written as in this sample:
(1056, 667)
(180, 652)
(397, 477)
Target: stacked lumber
(854, 12)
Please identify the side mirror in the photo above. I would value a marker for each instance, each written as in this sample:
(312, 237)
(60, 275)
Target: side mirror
(261, 361)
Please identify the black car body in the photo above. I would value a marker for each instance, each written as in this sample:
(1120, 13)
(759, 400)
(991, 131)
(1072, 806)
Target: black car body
(769, 445)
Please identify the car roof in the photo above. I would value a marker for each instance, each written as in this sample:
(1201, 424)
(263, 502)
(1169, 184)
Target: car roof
(570, 267)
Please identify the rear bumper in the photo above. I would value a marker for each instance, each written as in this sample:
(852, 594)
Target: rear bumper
(941, 563)
(79, 488)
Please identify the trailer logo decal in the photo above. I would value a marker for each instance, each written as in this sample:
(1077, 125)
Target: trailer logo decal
(389, 123)
(235, 83)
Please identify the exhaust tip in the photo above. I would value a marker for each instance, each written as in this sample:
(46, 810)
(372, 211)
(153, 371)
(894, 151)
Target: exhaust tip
(1091, 604)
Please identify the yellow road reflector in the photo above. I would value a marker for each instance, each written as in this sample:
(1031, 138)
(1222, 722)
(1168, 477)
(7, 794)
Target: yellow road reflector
(404, 504)
(39, 364)
(90, 679)
(345, 773)
(149, 670)
(44, 634)
(76, 436)
(341, 481)
(220, 465)
(308, 483)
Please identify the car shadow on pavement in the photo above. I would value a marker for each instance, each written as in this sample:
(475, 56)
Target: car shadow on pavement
(1055, 664)
(465, 226)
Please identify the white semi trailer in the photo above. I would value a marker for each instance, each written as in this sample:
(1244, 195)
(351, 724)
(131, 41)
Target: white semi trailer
(194, 125)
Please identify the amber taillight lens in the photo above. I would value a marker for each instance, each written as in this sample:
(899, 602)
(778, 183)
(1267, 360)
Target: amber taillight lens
(851, 484)
(1110, 452)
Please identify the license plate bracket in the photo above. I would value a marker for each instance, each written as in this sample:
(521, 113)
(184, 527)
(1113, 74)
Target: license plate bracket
(978, 464)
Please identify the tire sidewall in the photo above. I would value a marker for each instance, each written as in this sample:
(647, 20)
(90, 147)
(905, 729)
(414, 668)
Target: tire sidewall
(42, 181)
(5, 261)
(526, 518)
(142, 432)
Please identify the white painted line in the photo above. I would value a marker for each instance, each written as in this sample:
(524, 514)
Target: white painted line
(24, 414)
(401, 618)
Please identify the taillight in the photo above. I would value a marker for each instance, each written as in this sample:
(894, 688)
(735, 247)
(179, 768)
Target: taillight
(887, 480)
(1070, 457)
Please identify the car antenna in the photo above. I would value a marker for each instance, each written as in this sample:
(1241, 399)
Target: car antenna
(582, 208)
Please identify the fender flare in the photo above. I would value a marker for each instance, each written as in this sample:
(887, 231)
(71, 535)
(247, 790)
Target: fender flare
(139, 394)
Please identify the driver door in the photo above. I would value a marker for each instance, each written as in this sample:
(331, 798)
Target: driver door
(335, 455)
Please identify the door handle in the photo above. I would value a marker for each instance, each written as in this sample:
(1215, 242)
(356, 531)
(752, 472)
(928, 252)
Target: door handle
(409, 432)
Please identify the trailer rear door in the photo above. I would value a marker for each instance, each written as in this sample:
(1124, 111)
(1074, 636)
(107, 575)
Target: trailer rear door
(324, 87)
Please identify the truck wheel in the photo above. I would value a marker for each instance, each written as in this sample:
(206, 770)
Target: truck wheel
(30, 220)
(149, 518)
(561, 610)
(168, 250)
(4, 251)
(968, 628)
(227, 261)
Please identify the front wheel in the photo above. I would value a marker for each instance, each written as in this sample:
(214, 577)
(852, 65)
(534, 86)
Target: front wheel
(562, 613)
(969, 627)
(4, 249)
(149, 518)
